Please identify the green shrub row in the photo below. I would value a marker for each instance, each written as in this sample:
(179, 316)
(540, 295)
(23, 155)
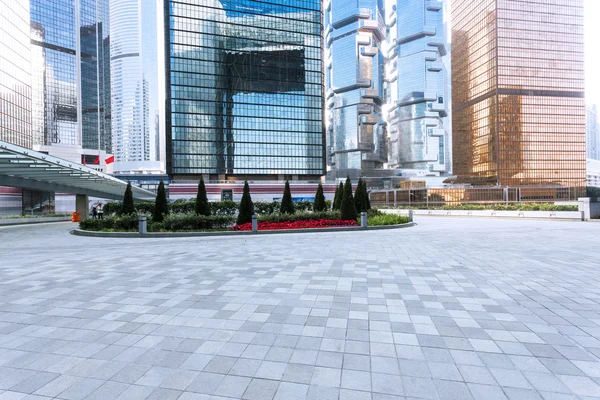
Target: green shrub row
(193, 222)
(496, 207)
(35, 216)
(185, 206)
(123, 223)
(171, 223)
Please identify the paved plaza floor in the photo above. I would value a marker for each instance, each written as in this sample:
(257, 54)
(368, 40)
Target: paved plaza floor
(449, 309)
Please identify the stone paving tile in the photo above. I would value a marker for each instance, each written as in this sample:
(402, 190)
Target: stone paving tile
(450, 309)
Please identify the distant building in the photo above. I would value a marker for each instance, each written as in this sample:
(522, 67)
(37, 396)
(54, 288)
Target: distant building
(354, 33)
(518, 92)
(593, 133)
(15, 74)
(135, 86)
(417, 94)
(71, 79)
(244, 87)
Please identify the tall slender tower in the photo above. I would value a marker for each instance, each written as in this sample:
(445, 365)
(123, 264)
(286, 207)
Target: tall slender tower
(15, 74)
(135, 84)
(354, 32)
(70, 79)
(416, 86)
(518, 92)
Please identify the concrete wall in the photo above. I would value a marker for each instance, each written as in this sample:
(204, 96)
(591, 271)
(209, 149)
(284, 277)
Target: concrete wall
(590, 206)
(563, 215)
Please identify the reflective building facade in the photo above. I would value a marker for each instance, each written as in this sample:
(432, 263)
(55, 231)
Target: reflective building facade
(354, 31)
(518, 92)
(244, 88)
(15, 70)
(70, 73)
(417, 92)
(593, 133)
(135, 85)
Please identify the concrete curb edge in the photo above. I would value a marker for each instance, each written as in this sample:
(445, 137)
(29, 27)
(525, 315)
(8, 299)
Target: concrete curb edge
(80, 232)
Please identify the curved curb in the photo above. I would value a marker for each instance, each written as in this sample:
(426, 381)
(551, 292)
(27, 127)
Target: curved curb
(80, 232)
(31, 221)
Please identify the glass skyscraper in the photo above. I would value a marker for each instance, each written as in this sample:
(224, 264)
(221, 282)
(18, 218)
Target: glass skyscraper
(244, 89)
(15, 74)
(417, 92)
(354, 71)
(518, 92)
(135, 85)
(70, 74)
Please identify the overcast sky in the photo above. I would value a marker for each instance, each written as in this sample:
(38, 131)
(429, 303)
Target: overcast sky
(592, 52)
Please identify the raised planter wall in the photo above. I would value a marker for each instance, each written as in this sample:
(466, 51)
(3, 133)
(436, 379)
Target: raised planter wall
(562, 215)
(25, 221)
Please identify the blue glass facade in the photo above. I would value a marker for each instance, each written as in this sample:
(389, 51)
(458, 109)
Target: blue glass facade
(417, 89)
(15, 78)
(244, 88)
(70, 76)
(354, 71)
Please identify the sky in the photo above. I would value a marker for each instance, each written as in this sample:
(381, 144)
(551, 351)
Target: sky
(592, 52)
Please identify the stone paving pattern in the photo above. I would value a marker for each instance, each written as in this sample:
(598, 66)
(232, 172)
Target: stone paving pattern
(450, 309)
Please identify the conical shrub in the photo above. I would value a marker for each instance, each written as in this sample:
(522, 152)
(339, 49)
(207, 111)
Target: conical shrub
(287, 205)
(246, 207)
(319, 204)
(335, 198)
(128, 207)
(202, 206)
(359, 197)
(367, 200)
(161, 205)
(348, 208)
(337, 203)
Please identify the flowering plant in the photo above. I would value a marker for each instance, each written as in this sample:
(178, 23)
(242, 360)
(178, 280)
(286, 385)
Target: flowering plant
(300, 224)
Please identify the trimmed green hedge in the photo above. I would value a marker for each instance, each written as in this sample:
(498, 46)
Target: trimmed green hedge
(35, 216)
(185, 206)
(386, 219)
(193, 222)
(171, 223)
(123, 223)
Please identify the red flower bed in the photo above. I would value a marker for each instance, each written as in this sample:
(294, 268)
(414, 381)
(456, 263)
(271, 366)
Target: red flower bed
(318, 223)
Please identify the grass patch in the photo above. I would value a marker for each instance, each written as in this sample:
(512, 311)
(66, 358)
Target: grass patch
(386, 219)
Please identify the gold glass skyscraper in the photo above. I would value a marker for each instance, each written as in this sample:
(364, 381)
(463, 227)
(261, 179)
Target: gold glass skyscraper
(518, 92)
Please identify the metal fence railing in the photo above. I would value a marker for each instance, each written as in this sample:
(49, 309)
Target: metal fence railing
(432, 196)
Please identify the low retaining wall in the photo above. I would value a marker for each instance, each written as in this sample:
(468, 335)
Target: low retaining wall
(558, 215)
(25, 221)
(80, 232)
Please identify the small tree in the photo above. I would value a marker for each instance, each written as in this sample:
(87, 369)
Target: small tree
(128, 207)
(161, 205)
(319, 204)
(337, 202)
(359, 197)
(246, 206)
(202, 206)
(287, 205)
(347, 208)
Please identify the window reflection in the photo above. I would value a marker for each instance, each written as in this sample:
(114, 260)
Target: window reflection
(246, 88)
(518, 92)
